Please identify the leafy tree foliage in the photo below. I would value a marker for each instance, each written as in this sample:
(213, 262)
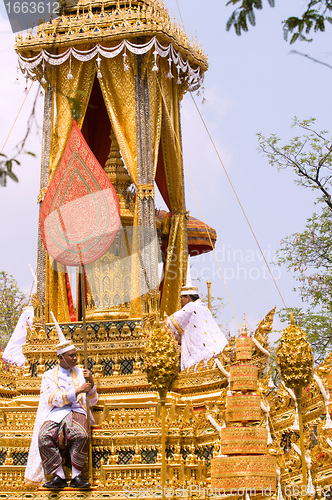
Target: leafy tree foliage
(6, 169)
(7, 164)
(217, 304)
(244, 14)
(314, 17)
(12, 301)
(308, 254)
(310, 157)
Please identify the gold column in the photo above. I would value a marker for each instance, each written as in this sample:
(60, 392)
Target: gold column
(208, 283)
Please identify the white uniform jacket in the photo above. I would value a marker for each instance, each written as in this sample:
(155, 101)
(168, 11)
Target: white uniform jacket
(201, 338)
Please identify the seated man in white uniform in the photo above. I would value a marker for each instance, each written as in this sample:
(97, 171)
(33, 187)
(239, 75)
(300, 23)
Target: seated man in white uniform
(195, 328)
(61, 412)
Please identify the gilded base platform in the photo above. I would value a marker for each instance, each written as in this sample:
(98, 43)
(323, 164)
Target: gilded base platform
(249, 472)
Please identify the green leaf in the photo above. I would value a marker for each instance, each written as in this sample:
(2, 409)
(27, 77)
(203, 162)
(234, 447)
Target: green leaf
(12, 176)
(251, 17)
(294, 38)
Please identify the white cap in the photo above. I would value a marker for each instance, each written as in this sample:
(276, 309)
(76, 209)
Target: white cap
(189, 288)
(63, 345)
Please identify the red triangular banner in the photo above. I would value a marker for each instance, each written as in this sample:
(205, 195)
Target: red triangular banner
(80, 214)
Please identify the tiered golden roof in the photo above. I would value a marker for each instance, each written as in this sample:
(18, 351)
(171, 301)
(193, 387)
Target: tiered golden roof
(86, 23)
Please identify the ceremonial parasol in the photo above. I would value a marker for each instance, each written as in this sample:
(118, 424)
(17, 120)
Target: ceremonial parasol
(80, 215)
(201, 237)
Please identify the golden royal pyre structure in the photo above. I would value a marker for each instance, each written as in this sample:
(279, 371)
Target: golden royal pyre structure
(120, 69)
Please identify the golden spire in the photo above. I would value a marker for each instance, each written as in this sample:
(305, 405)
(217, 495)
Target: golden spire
(120, 179)
(244, 330)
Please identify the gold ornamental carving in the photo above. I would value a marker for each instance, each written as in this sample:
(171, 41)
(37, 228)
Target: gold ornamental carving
(295, 358)
(145, 191)
(243, 440)
(161, 357)
(121, 181)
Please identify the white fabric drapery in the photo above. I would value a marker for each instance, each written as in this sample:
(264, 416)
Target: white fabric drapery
(13, 353)
(29, 64)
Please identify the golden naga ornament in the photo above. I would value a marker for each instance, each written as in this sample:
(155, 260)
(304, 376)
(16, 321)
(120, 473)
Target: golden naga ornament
(161, 357)
(294, 357)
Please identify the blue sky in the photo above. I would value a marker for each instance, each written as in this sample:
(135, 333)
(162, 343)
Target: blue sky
(253, 85)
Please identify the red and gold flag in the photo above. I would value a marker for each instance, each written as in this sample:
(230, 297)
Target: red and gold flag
(80, 214)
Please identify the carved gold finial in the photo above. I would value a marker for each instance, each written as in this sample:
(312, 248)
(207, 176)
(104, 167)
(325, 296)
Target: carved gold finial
(37, 310)
(161, 357)
(294, 357)
(244, 330)
(265, 326)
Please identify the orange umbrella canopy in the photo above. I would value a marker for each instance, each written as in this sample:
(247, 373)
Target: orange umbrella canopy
(201, 237)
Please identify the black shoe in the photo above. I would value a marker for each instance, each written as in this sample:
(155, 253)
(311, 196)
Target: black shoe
(56, 483)
(78, 482)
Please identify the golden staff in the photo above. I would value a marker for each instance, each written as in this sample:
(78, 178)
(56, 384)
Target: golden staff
(208, 283)
(162, 396)
(85, 350)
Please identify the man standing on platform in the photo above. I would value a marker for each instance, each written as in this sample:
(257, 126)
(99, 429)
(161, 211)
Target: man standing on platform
(195, 328)
(61, 417)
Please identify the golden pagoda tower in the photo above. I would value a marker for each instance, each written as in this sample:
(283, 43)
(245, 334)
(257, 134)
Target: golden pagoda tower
(243, 464)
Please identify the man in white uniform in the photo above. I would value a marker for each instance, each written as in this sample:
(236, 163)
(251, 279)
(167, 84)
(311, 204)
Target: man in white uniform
(61, 415)
(195, 328)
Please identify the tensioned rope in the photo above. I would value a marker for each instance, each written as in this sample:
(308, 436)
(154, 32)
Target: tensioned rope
(19, 111)
(239, 202)
(234, 191)
(177, 140)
